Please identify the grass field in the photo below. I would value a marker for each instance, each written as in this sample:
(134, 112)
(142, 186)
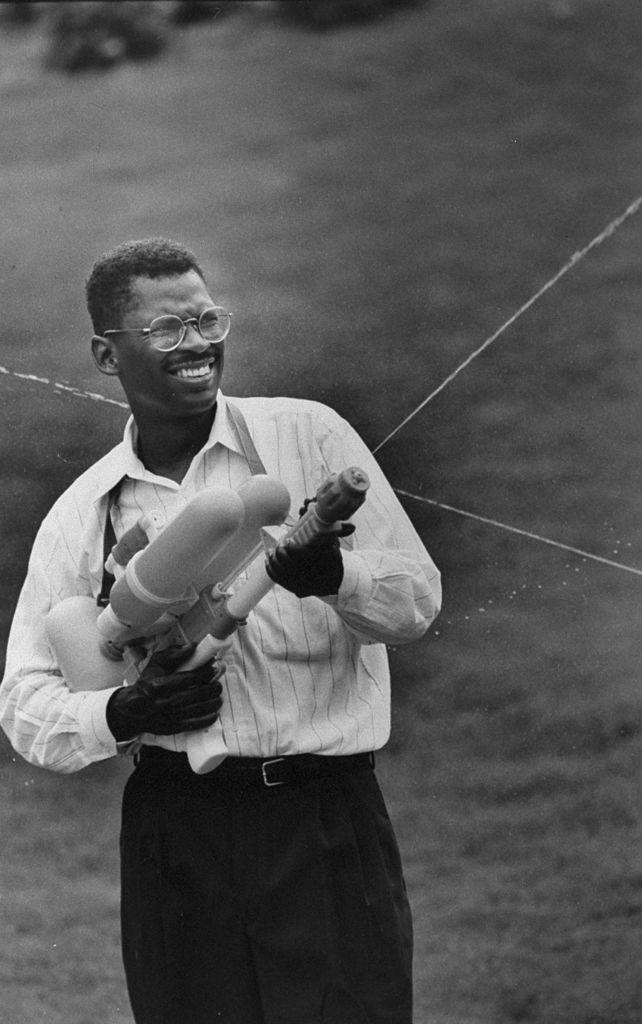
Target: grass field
(372, 204)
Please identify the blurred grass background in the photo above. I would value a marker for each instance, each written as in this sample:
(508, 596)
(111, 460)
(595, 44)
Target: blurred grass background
(372, 202)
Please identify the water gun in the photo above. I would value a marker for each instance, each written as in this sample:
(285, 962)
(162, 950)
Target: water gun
(172, 587)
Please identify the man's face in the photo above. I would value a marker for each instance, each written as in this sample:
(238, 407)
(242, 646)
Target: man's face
(182, 383)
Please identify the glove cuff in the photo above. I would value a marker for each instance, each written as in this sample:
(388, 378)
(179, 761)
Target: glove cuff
(119, 725)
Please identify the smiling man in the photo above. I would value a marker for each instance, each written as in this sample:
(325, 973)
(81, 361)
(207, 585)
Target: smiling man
(171, 388)
(270, 890)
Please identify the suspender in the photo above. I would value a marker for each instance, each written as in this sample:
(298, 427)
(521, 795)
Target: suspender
(109, 539)
(252, 457)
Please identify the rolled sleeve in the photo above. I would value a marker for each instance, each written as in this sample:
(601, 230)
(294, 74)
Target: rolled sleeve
(391, 588)
(92, 724)
(387, 603)
(45, 722)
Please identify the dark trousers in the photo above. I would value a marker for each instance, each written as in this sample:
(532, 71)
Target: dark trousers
(247, 904)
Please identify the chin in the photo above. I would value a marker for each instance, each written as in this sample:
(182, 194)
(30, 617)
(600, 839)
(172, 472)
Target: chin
(197, 403)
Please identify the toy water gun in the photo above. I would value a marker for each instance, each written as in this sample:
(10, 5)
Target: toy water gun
(172, 587)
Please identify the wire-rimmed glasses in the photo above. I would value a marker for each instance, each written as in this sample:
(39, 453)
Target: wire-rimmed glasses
(166, 332)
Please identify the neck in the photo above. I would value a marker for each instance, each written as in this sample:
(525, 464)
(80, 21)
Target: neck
(167, 448)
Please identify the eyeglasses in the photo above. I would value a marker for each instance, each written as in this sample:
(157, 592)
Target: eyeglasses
(167, 332)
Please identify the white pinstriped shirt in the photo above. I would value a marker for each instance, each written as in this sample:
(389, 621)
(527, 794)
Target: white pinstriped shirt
(305, 675)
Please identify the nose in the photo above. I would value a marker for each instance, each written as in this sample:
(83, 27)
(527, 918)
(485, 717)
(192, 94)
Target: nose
(193, 340)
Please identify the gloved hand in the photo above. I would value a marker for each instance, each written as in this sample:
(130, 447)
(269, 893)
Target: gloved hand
(164, 700)
(313, 570)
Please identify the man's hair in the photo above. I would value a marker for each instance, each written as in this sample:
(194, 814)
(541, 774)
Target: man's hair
(109, 286)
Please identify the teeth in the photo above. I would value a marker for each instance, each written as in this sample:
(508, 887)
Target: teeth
(192, 371)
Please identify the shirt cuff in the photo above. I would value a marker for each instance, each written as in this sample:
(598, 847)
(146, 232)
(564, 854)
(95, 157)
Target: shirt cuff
(357, 583)
(92, 722)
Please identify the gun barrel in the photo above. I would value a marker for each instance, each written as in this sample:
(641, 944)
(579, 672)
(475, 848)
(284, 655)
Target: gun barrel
(337, 499)
(341, 495)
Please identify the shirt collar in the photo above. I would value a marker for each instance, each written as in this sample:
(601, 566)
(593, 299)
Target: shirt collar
(222, 431)
(122, 461)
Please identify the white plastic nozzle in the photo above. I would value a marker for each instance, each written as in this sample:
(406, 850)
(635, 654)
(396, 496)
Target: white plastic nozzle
(162, 574)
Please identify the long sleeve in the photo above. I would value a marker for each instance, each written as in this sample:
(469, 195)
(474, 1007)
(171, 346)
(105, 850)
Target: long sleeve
(391, 590)
(45, 722)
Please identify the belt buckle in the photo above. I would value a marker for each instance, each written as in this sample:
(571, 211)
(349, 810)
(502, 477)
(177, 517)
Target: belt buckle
(266, 764)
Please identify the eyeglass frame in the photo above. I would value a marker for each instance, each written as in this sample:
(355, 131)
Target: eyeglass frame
(196, 320)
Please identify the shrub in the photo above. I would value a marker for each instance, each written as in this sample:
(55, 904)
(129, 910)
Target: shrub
(98, 34)
(188, 11)
(330, 13)
(19, 12)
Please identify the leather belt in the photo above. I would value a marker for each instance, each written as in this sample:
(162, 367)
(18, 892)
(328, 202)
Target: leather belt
(263, 771)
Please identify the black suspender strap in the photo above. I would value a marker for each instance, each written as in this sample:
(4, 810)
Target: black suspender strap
(109, 539)
(252, 457)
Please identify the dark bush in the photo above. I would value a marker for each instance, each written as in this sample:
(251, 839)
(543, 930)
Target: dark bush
(98, 34)
(19, 12)
(186, 12)
(331, 13)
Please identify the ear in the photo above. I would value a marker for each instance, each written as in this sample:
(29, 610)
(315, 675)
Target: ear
(104, 354)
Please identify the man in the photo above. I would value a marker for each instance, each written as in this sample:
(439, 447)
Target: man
(268, 891)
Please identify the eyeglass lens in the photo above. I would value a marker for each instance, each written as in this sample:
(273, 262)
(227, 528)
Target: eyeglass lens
(167, 332)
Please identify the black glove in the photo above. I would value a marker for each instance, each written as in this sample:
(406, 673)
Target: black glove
(164, 700)
(312, 570)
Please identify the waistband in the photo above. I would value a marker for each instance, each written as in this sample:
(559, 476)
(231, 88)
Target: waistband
(264, 771)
